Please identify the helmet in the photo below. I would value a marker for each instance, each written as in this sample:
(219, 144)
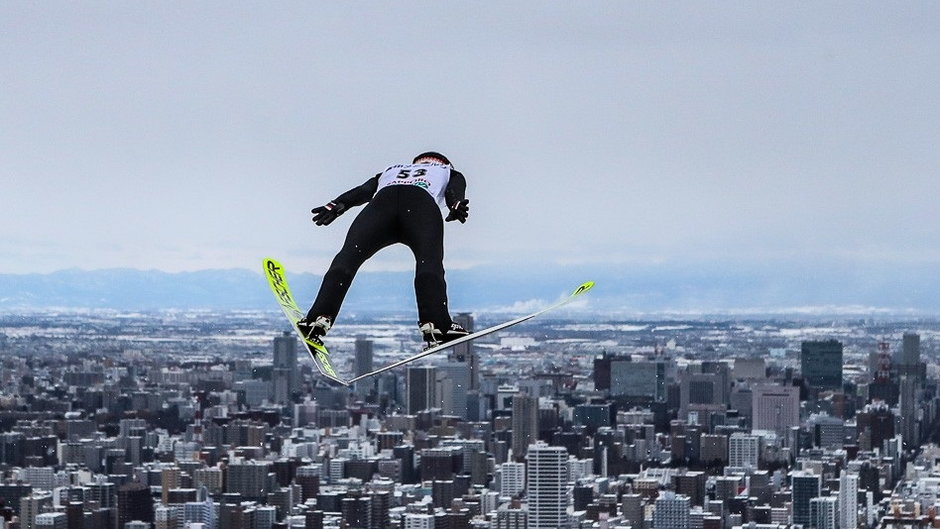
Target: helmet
(433, 155)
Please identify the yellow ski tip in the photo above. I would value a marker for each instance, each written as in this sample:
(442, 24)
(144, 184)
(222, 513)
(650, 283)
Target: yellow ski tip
(588, 285)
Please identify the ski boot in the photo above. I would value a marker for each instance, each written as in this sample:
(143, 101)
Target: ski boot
(315, 330)
(434, 336)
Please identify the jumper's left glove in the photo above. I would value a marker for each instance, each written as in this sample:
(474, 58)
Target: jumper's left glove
(459, 211)
(324, 215)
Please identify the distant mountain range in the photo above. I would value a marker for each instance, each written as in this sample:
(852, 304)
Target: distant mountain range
(625, 289)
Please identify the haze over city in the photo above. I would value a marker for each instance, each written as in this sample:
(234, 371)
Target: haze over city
(176, 137)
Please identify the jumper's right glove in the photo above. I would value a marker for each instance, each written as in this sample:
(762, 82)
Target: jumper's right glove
(324, 215)
(459, 211)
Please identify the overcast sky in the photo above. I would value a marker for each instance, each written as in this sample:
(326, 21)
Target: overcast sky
(184, 136)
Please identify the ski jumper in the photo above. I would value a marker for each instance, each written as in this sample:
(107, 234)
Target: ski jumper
(404, 206)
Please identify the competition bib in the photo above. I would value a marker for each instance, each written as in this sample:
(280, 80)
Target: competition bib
(432, 177)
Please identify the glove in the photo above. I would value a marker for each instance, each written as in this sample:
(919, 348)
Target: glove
(459, 211)
(324, 215)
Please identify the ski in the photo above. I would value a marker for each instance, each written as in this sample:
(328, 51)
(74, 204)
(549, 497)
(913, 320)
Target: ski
(583, 288)
(278, 283)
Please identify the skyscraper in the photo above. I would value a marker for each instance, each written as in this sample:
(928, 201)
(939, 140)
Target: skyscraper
(824, 513)
(848, 500)
(805, 486)
(363, 356)
(775, 408)
(821, 364)
(284, 374)
(364, 365)
(422, 383)
(910, 355)
(525, 423)
(465, 352)
(672, 511)
(743, 450)
(547, 490)
(511, 478)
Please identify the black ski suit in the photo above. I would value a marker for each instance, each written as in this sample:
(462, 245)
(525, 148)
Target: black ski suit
(396, 214)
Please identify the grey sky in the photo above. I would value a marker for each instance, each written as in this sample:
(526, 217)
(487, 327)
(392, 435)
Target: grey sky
(183, 136)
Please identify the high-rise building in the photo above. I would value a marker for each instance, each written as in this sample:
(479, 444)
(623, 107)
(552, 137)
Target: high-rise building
(511, 478)
(422, 384)
(547, 489)
(848, 500)
(248, 478)
(465, 352)
(775, 408)
(134, 503)
(908, 404)
(31, 506)
(511, 516)
(821, 364)
(671, 511)
(418, 521)
(743, 450)
(641, 378)
(364, 349)
(805, 486)
(525, 423)
(910, 356)
(824, 513)
(458, 375)
(285, 376)
(51, 520)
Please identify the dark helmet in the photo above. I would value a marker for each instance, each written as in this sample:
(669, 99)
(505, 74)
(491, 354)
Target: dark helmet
(431, 154)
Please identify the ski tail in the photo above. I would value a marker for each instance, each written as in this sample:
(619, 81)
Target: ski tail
(274, 272)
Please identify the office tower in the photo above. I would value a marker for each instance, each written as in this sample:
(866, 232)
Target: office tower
(381, 505)
(466, 353)
(743, 450)
(511, 478)
(169, 479)
(908, 405)
(203, 512)
(828, 432)
(632, 507)
(525, 423)
(421, 388)
(512, 516)
(692, 484)
(364, 348)
(821, 364)
(805, 486)
(909, 364)
(671, 511)
(848, 500)
(248, 478)
(31, 506)
(713, 449)
(704, 386)
(458, 376)
(285, 373)
(547, 490)
(775, 408)
(875, 425)
(749, 369)
(51, 520)
(210, 478)
(641, 378)
(601, 373)
(824, 513)
(357, 510)
(134, 503)
(418, 521)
